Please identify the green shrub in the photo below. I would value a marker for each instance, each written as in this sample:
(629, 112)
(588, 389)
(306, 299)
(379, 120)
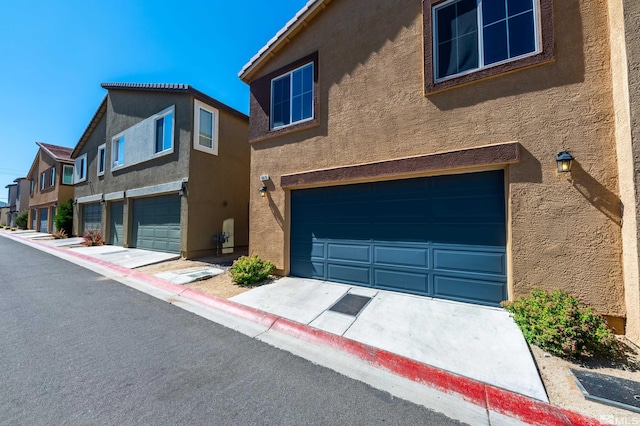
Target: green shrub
(92, 237)
(21, 219)
(64, 217)
(557, 323)
(248, 270)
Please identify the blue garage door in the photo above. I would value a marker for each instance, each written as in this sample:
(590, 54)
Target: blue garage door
(442, 236)
(156, 223)
(91, 217)
(116, 223)
(44, 220)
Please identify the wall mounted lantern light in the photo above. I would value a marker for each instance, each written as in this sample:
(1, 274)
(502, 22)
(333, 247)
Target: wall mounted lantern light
(564, 160)
(263, 190)
(183, 189)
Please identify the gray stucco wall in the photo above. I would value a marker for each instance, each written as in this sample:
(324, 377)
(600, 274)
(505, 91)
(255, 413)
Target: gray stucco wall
(632, 32)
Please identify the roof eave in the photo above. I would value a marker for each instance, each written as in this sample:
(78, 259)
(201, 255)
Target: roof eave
(282, 37)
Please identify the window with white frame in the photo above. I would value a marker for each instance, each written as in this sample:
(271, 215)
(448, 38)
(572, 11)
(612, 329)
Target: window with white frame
(117, 151)
(102, 159)
(80, 169)
(164, 132)
(205, 128)
(32, 186)
(469, 35)
(43, 179)
(52, 177)
(292, 97)
(67, 175)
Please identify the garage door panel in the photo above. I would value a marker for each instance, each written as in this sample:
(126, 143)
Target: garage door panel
(91, 217)
(351, 274)
(394, 280)
(470, 290)
(116, 223)
(349, 252)
(469, 261)
(399, 235)
(156, 223)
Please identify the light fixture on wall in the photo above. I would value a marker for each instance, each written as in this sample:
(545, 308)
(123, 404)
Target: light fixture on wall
(263, 190)
(564, 160)
(183, 189)
(102, 201)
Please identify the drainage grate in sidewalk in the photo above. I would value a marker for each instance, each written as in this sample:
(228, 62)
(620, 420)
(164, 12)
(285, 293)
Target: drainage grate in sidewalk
(350, 304)
(621, 393)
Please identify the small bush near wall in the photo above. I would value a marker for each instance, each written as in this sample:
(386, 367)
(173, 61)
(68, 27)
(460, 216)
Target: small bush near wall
(248, 270)
(92, 237)
(64, 217)
(21, 220)
(557, 323)
(60, 234)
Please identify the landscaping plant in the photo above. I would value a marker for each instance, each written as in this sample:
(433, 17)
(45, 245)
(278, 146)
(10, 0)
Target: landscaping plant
(21, 220)
(64, 217)
(557, 323)
(60, 234)
(248, 270)
(92, 237)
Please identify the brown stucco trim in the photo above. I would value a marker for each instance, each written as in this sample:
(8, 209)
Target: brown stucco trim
(499, 154)
(260, 102)
(547, 53)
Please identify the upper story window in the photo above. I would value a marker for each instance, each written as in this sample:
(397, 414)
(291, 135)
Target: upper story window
(467, 40)
(67, 175)
(292, 97)
(52, 177)
(32, 186)
(43, 180)
(80, 169)
(205, 128)
(117, 151)
(102, 159)
(164, 133)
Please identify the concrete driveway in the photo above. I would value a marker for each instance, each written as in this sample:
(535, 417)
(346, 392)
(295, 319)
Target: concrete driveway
(479, 342)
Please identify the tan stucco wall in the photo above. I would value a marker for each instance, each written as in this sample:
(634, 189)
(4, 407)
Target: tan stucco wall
(564, 231)
(219, 188)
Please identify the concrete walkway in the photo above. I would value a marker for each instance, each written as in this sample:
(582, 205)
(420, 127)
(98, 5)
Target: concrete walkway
(474, 341)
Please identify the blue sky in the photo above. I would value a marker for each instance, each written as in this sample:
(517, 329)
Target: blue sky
(55, 54)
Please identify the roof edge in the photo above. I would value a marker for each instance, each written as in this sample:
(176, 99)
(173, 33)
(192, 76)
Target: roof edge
(308, 12)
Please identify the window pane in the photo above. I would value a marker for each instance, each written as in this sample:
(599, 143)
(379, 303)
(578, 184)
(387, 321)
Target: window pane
(159, 135)
(468, 52)
(296, 108)
(521, 35)
(281, 102)
(518, 6)
(446, 21)
(296, 84)
(492, 11)
(447, 59)
(495, 43)
(168, 131)
(307, 79)
(67, 176)
(467, 17)
(307, 105)
(101, 160)
(206, 128)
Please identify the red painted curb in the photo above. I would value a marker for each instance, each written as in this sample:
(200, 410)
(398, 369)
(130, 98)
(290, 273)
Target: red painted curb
(494, 399)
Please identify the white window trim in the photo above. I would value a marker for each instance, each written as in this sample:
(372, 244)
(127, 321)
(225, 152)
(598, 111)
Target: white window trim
(78, 160)
(290, 73)
(102, 148)
(43, 179)
(115, 139)
(198, 105)
(72, 173)
(158, 116)
(434, 26)
(52, 176)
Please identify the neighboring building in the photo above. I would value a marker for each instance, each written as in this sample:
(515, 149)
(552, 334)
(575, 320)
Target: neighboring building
(22, 195)
(50, 181)
(163, 167)
(4, 216)
(12, 209)
(411, 146)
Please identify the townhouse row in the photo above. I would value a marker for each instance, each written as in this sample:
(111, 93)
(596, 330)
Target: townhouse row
(468, 150)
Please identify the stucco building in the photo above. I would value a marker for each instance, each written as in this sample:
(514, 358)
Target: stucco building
(50, 182)
(164, 167)
(411, 146)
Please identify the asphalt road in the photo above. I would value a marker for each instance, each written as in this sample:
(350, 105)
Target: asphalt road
(79, 349)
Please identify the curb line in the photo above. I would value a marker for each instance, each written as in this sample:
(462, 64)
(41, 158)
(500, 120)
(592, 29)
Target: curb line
(491, 398)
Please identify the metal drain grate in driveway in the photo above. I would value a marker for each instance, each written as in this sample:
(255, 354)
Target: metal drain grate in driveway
(350, 304)
(609, 390)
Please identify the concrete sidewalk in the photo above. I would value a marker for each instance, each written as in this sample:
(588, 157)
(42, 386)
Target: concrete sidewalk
(468, 362)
